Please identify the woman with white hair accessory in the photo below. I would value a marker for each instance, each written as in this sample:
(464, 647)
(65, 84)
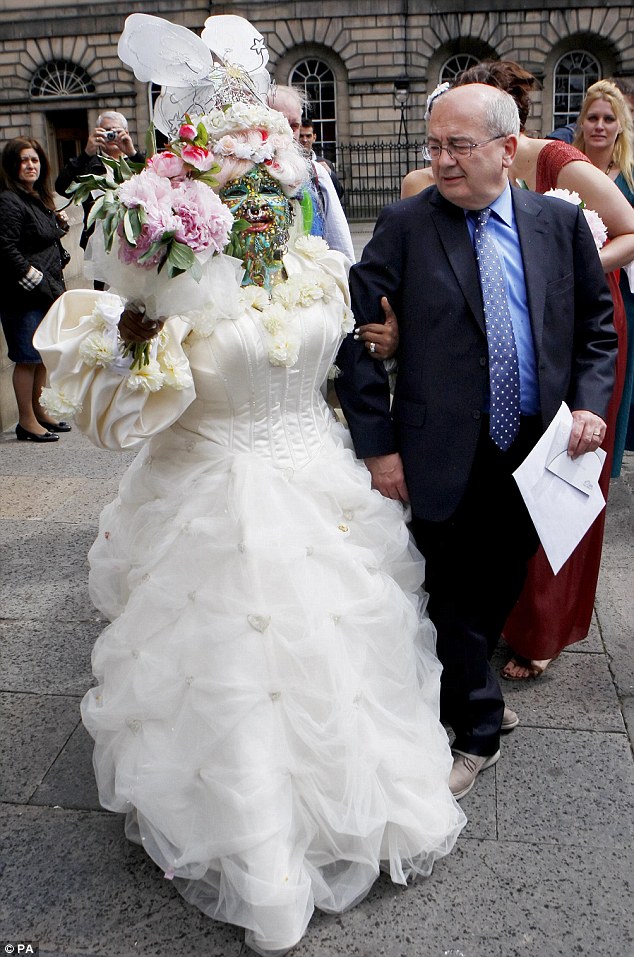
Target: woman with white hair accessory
(266, 707)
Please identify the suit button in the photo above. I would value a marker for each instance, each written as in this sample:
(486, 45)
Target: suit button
(475, 414)
(483, 360)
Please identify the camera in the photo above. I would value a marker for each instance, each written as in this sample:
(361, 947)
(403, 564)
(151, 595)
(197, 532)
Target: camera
(111, 135)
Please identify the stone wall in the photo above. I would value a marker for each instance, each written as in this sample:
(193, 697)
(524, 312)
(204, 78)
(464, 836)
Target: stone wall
(368, 49)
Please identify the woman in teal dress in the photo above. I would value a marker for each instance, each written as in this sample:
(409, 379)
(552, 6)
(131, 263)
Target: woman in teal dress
(606, 136)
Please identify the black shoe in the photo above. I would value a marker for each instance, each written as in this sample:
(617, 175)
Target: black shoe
(23, 436)
(55, 426)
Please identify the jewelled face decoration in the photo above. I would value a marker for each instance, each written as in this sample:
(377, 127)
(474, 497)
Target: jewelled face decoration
(257, 199)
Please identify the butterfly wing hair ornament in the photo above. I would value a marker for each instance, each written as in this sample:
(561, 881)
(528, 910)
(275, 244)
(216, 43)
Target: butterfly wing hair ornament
(196, 75)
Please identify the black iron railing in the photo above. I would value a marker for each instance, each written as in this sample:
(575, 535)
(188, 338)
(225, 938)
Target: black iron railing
(371, 174)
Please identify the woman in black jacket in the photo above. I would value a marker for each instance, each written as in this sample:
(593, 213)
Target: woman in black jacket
(31, 266)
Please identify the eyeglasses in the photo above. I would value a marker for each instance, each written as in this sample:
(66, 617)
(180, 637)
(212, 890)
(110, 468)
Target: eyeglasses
(432, 151)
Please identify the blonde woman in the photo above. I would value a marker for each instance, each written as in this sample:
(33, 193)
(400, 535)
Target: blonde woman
(606, 136)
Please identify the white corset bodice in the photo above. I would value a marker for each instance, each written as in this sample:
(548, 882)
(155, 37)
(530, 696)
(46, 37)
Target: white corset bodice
(246, 404)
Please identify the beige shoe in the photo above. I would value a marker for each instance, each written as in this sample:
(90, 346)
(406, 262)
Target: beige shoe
(510, 719)
(466, 768)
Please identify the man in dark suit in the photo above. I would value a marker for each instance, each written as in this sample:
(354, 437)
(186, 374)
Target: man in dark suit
(439, 446)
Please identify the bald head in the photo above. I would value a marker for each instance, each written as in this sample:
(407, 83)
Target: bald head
(483, 124)
(288, 101)
(495, 108)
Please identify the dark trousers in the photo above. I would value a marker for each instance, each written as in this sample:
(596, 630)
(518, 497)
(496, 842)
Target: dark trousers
(476, 564)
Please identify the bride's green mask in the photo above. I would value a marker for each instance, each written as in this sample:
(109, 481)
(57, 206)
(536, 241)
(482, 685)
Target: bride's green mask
(257, 200)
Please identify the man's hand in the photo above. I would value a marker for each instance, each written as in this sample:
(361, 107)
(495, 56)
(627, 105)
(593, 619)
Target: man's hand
(588, 432)
(95, 141)
(381, 338)
(135, 326)
(125, 144)
(388, 476)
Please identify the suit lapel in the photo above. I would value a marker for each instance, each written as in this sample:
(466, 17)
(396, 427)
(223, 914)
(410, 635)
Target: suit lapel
(532, 227)
(453, 232)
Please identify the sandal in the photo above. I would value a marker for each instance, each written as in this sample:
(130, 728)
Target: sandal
(534, 669)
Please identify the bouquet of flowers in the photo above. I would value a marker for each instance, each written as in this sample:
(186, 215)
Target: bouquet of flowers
(164, 215)
(596, 224)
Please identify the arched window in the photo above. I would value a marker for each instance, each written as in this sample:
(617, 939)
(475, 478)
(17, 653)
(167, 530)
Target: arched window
(61, 78)
(455, 65)
(573, 74)
(317, 80)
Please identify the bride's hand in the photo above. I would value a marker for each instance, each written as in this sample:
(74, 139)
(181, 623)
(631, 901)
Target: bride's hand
(381, 338)
(135, 326)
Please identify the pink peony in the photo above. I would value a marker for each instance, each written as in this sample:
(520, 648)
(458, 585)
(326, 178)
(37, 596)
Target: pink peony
(204, 222)
(131, 254)
(187, 132)
(201, 159)
(167, 164)
(153, 194)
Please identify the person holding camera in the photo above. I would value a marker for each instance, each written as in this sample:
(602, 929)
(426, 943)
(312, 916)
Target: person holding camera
(110, 137)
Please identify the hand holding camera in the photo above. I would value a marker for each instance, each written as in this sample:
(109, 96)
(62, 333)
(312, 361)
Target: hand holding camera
(112, 142)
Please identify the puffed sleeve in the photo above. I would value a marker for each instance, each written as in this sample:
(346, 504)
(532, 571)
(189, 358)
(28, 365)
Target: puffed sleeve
(116, 407)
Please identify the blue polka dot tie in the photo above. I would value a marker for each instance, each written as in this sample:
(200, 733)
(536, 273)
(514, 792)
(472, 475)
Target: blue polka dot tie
(504, 375)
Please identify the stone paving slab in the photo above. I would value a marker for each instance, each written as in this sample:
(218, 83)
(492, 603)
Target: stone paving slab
(615, 593)
(44, 546)
(33, 730)
(554, 699)
(74, 500)
(47, 657)
(568, 787)
(87, 503)
(492, 899)
(31, 496)
(75, 884)
(71, 455)
(70, 782)
(55, 598)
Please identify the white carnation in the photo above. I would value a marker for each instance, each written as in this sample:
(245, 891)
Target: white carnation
(254, 297)
(284, 352)
(286, 294)
(148, 378)
(275, 319)
(59, 402)
(310, 291)
(314, 247)
(175, 372)
(98, 349)
(347, 322)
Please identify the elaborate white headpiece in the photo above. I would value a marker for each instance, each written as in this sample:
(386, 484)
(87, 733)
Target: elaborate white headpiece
(227, 64)
(221, 81)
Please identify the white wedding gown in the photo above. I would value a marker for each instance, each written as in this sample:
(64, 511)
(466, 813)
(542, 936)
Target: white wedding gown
(266, 712)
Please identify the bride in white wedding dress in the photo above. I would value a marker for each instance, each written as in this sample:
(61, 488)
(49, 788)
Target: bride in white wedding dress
(267, 696)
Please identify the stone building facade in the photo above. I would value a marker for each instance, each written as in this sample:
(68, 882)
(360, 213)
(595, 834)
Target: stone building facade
(368, 65)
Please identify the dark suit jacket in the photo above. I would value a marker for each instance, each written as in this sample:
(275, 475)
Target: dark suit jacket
(421, 257)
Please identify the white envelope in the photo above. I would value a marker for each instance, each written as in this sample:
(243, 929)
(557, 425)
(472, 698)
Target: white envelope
(562, 494)
(582, 473)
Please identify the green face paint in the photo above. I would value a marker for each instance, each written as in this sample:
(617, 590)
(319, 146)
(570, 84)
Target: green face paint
(258, 200)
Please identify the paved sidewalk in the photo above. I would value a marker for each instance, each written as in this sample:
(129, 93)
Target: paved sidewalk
(545, 866)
